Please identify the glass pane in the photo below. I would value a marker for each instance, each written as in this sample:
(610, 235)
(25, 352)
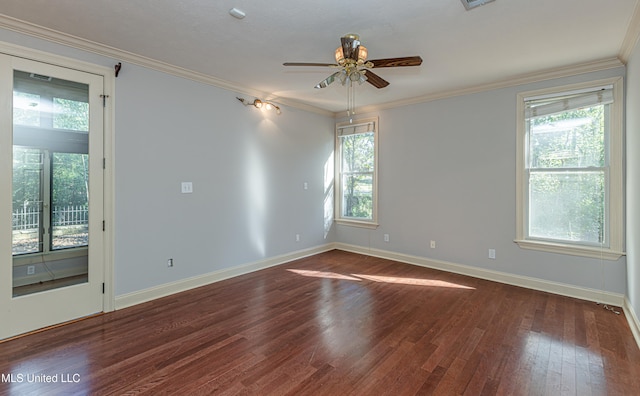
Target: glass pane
(70, 114)
(70, 200)
(567, 206)
(27, 200)
(50, 183)
(357, 196)
(26, 109)
(357, 152)
(573, 139)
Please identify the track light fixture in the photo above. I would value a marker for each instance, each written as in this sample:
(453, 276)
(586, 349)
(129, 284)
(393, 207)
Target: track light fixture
(261, 104)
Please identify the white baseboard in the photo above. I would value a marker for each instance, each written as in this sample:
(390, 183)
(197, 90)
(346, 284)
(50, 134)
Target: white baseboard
(600, 296)
(563, 289)
(634, 323)
(141, 296)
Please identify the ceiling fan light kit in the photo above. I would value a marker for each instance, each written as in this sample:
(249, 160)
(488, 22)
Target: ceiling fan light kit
(351, 59)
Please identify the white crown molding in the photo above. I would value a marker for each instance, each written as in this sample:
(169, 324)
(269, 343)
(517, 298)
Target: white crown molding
(632, 36)
(51, 35)
(30, 29)
(300, 105)
(550, 74)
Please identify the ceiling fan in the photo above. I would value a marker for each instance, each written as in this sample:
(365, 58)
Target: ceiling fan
(353, 66)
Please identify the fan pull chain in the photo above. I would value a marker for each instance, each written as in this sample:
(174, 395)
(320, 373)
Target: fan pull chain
(351, 101)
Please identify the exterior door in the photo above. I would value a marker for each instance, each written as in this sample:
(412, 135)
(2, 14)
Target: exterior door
(51, 169)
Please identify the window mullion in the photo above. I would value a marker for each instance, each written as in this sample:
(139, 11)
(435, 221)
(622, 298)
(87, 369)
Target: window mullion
(46, 203)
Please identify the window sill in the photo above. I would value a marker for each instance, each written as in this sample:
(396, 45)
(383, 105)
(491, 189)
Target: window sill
(62, 254)
(357, 223)
(573, 250)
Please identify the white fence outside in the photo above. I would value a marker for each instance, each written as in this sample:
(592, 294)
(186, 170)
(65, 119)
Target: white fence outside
(28, 217)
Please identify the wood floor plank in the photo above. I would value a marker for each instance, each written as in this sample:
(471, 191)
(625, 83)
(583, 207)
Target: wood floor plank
(337, 323)
(583, 374)
(568, 369)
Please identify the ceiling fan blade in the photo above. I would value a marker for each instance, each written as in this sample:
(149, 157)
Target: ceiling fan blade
(376, 80)
(308, 64)
(396, 62)
(324, 83)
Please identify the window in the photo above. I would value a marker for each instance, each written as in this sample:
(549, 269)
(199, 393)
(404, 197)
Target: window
(50, 165)
(569, 179)
(356, 173)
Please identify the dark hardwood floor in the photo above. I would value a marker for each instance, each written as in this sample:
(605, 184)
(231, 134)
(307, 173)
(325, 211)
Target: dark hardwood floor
(336, 324)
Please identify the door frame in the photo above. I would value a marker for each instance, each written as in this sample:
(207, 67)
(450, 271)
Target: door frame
(108, 76)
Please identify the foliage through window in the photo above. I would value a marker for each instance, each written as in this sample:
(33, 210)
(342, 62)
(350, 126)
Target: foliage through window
(70, 114)
(569, 176)
(356, 172)
(567, 173)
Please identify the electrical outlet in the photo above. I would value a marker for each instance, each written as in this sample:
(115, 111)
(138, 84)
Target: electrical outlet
(297, 237)
(31, 269)
(433, 244)
(492, 254)
(170, 262)
(386, 237)
(187, 187)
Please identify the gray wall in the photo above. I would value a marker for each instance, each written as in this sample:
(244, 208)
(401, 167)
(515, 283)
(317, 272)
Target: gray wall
(633, 179)
(447, 173)
(247, 167)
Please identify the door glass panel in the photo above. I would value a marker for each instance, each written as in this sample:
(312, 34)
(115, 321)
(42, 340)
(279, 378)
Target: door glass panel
(50, 183)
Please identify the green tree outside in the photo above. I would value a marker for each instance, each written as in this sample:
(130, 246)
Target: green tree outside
(567, 175)
(357, 178)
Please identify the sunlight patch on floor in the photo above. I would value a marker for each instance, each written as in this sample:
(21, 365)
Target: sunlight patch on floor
(323, 274)
(413, 281)
(379, 278)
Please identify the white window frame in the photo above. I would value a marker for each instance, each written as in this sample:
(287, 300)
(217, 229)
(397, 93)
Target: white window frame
(614, 187)
(356, 222)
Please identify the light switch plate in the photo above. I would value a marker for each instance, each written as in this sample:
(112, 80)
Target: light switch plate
(187, 187)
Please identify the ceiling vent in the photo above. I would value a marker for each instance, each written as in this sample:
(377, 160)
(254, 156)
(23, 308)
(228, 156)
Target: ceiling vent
(40, 77)
(469, 4)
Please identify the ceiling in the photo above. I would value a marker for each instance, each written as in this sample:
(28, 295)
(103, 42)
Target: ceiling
(502, 40)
